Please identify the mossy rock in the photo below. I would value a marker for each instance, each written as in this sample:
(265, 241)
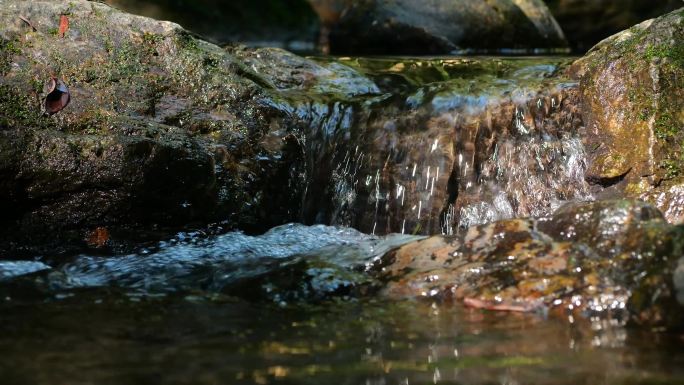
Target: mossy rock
(163, 130)
(632, 87)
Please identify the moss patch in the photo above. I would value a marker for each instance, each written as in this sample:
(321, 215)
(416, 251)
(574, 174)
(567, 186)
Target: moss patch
(8, 48)
(675, 53)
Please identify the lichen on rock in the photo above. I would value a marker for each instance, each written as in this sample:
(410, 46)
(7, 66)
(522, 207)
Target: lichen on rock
(632, 88)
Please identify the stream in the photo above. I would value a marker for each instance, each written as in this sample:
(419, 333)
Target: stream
(435, 146)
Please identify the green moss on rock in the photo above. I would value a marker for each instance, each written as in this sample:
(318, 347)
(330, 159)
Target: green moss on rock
(633, 94)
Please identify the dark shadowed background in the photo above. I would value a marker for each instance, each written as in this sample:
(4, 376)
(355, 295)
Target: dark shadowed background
(293, 24)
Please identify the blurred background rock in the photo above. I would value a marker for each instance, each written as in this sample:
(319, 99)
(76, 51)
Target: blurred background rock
(295, 24)
(290, 24)
(586, 22)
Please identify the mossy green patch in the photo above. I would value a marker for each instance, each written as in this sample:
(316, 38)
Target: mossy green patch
(674, 52)
(672, 167)
(20, 110)
(8, 48)
(665, 127)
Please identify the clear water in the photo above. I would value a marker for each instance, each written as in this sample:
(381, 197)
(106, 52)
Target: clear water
(150, 318)
(102, 339)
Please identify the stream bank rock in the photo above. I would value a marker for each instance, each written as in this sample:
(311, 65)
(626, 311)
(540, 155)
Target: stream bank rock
(163, 131)
(632, 87)
(443, 26)
(614, 259)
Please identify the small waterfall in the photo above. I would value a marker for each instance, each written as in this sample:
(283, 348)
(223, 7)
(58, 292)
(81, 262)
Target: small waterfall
(443, 145)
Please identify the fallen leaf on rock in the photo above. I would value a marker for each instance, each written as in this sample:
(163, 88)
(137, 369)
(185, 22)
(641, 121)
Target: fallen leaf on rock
(63, 25)
(98, 237)
(57, 96)
(28, 22)
(503, 306)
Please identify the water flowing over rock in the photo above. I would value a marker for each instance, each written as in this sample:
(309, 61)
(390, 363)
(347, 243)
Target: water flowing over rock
(288, 263)
(443, 26)
(617, 260)
(165, 131)
(448, 143)
(633, 101)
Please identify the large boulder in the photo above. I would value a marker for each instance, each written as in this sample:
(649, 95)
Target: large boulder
(586, 22)
(444, 26)
(162, 130)
(632, 87)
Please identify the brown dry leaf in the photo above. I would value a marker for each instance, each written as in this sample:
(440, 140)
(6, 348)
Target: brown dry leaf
(63, 25)
(98, 237)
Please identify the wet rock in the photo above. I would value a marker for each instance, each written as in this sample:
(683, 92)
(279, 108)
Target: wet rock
(669, 200)
(165, 131)
(586, 22)
(162, 131)
(298, 279)
(291, 73)
(444, 26)
(447, 144)
(610, 259)
(632, 102)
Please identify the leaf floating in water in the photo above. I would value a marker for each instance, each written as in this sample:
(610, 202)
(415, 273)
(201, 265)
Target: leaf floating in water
(28, 22)
(57, 96)
(63, 25)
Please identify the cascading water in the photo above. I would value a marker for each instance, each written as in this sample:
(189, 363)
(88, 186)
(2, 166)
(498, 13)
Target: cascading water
(446, 144)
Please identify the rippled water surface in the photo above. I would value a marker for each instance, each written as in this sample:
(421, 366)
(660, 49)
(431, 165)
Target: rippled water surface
(153, 318)
(99, 339)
